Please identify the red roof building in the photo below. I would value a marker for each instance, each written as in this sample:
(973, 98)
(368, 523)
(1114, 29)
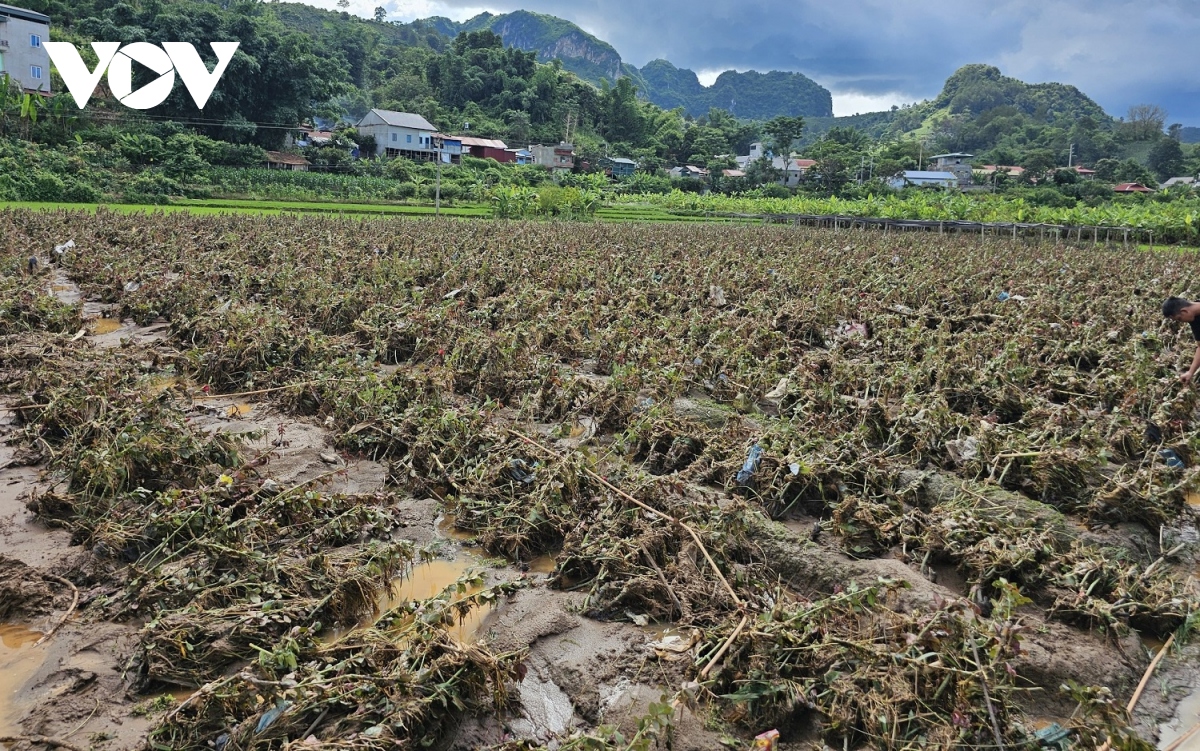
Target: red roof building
(487, 148)
(1132, 188)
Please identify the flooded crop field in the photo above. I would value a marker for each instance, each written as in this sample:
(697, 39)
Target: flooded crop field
(319, 482)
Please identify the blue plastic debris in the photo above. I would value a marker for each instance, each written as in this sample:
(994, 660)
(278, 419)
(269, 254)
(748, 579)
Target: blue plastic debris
(751, 465)
(271, 715)
(1002, 296)
(1171, 459)
(1054, 736)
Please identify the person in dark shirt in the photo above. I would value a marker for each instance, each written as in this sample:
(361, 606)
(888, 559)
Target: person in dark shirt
(1185, 311)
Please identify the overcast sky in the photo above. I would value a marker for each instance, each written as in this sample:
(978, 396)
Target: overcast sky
(874, 53)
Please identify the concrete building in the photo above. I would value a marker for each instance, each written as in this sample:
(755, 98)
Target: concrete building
(957, 164)
(22, 53)
(560, 157)
(400, 134)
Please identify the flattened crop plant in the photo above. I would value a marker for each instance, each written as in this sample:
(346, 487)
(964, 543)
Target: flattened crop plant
(875, 482)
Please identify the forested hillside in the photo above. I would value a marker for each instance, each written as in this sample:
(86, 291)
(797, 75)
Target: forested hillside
(750, 95)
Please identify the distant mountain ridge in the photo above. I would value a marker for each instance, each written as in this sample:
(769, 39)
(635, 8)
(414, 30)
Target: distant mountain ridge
(750, 95)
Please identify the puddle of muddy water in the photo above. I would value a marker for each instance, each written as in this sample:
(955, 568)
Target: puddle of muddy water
(1187, 714)
(19, 661)
(543, 564)
(447, 529)
(430, 580)
(102, 326)
(423, 581)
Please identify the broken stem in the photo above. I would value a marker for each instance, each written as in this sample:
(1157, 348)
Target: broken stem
(987, 697)
(70, 610)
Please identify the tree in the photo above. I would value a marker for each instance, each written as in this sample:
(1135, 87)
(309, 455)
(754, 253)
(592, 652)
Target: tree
(1106, 170)
(1130, 171)
(762, 172)
(343, 4)
(380, 14)
(783, 131)
(1038, 162)
(1145, 122)
(1166, 158)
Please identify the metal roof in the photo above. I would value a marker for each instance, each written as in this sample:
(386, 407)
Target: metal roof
(483, 143)
(27, 15)
(404, 120)
(621, 160)
(926, 175)
(947, 156)
(279, 157)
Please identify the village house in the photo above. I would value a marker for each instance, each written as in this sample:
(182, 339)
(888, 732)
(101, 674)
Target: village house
(520, 156)
(688, 172)
(451, 147)
(792, 170)
(618, 167)
(22, 53)
(1132, 188)
(560, 158)
(403, 134)
(1189, 182)
(283, 160)
(988, 170)
(924, 179)
(487, 148)
(957, 164)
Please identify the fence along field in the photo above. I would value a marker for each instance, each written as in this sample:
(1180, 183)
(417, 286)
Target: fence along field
(873, 481)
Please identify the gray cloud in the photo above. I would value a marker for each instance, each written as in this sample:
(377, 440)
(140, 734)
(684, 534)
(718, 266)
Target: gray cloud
(1119, 52)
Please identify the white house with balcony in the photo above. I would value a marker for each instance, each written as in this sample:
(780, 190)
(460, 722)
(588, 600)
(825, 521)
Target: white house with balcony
(400, 134)
(23, 56)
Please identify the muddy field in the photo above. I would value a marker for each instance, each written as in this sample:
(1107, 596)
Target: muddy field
(318, 483)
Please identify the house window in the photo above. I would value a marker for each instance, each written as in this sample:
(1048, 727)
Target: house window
(393, 137)
(409, 138)
(35, 40)
(35, 71)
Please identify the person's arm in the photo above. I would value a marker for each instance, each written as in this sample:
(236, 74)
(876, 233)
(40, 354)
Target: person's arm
(1187, 377)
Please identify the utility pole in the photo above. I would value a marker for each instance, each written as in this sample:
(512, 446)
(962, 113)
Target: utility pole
(1070, 155)
(437, 206)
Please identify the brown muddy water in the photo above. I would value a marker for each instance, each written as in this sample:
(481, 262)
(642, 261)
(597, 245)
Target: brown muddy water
(20, 659)
(101, 326)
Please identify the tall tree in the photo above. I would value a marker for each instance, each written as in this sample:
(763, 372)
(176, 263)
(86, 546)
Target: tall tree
(783, 132)
(1166, 159)
(1145, 121)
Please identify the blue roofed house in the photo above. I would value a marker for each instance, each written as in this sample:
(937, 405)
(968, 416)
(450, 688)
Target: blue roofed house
(618, 167)
(521, 156)
(923, 179)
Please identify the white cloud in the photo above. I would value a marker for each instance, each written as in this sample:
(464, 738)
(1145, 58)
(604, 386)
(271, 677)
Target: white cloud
(708, 76)
(403, 10)
(853, 103)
